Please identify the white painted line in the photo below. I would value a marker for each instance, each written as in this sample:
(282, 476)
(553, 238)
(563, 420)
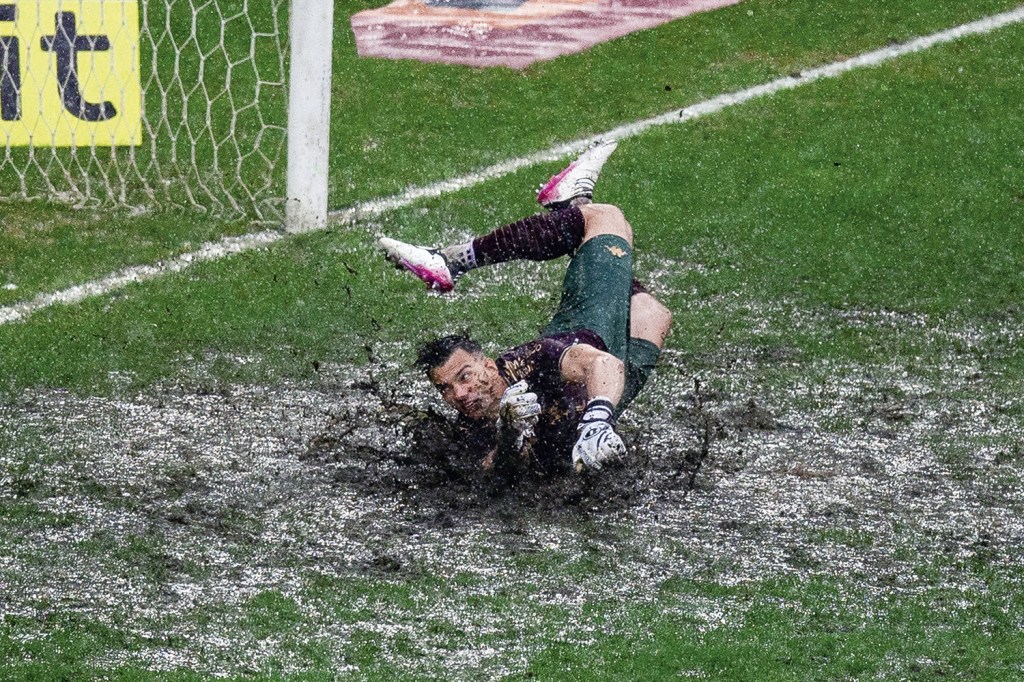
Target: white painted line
(230, 245)
(138, 273)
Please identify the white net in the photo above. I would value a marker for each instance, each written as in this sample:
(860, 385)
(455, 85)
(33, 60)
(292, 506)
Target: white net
(149, 104)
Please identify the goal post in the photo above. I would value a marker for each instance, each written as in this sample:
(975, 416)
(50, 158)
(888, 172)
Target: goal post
(309, 114)
(155, 104)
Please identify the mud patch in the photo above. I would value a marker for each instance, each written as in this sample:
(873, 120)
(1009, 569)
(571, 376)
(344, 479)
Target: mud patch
(171, 515)
(387, 449)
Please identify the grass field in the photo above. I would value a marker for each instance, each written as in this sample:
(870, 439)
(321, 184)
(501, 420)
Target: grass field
(226, 471)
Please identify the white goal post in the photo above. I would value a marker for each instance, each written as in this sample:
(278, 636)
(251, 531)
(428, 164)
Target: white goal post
(154, 104)
(309, 114)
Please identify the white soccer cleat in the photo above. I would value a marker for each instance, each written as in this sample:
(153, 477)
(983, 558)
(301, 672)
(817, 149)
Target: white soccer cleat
(575, 184)
(427, 264)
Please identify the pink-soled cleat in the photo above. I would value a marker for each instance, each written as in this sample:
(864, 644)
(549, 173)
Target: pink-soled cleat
(427, 264)
(575, 184)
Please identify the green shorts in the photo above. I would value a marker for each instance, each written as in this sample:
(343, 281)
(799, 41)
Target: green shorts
(596, 296)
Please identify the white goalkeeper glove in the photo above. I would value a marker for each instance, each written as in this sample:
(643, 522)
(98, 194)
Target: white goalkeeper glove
(518, 413)
(597, 443)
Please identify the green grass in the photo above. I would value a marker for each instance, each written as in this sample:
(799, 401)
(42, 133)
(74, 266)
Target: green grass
(45, 247)
(812, 630)
(754, 198)
(447, 120)
(402, 122)
(788, 630)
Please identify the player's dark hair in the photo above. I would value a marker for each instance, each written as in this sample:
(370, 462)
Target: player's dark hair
(435, 353)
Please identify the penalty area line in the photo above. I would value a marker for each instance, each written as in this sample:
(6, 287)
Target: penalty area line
(212, 251)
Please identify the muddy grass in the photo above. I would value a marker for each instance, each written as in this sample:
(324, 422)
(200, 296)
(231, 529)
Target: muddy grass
(172, 516)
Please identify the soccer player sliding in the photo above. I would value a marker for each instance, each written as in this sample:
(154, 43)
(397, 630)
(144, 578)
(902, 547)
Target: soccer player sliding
(551, 402)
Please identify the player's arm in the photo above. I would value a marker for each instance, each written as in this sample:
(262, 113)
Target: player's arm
(602, 373)
(604, 377)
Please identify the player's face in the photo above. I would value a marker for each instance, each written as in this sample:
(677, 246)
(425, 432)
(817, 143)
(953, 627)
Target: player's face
(470, 383)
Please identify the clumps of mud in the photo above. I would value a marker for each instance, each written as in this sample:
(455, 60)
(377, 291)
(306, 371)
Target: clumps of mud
(387, 447)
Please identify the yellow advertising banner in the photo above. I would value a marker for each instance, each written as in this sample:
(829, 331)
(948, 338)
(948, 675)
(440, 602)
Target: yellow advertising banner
(69, 73)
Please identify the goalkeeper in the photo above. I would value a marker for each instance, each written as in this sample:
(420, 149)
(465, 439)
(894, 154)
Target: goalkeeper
(554, 400)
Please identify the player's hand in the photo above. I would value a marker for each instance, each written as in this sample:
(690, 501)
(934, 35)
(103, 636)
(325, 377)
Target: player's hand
(518, 413)
(597, 443)
(519, 408)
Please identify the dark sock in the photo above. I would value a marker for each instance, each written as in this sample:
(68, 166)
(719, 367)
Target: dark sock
(539, 237)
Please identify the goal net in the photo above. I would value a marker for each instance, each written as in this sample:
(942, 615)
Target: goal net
(145, 103)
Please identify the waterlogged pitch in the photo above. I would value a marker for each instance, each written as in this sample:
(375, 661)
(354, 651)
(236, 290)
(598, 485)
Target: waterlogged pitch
(328, 524)
(231, 469)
